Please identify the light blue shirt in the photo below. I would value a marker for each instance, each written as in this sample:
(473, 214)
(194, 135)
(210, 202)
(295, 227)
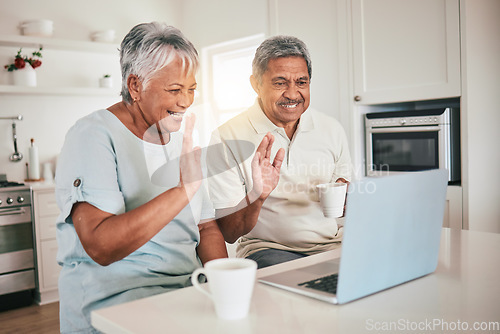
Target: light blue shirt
(104, 164)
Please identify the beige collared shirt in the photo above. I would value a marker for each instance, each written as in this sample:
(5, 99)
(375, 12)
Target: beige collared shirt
(291, 218)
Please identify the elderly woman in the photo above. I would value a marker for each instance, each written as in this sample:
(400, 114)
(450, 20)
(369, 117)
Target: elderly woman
(135, 218)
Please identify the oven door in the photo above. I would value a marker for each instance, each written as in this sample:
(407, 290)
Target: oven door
(405, 149)
(16, 250)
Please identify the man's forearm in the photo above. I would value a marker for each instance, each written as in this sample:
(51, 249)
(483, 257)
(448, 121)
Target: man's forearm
(211, 244)
(237, 221)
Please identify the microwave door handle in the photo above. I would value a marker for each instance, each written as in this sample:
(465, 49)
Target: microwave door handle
(406, 129)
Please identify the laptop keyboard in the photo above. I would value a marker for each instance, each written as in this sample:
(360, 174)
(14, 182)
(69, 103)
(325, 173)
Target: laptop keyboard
(326, 284)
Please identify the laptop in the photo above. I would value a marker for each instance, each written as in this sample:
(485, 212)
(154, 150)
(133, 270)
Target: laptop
(392, 231)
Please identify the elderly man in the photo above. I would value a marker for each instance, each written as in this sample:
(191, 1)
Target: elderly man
(269, 202)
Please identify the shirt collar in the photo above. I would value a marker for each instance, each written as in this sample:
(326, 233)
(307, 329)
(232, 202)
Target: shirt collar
(262, 124)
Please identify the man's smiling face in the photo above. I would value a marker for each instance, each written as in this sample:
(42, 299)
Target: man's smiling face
(284, 90)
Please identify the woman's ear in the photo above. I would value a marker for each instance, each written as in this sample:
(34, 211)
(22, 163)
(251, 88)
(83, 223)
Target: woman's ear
(134, 85)
(255, 84)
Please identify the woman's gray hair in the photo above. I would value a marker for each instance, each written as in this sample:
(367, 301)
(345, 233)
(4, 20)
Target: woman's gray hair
(148, 48)
(276, 47)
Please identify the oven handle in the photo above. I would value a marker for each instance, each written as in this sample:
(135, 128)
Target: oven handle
(12, 211)
(405, 129)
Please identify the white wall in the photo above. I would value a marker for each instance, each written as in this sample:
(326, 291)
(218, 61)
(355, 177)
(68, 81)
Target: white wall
(76, 19)
(481, 113)
(209, 22)
(48, 117)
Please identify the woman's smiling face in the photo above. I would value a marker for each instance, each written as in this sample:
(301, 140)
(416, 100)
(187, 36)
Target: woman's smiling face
(167, 96)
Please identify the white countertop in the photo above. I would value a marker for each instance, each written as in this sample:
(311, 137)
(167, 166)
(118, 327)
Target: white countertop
(464, 290)
(42, 185)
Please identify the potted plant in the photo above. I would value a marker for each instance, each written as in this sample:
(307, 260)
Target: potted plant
(23, 68)
(106, 81)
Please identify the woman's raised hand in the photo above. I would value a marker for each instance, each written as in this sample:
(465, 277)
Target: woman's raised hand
(190, 160)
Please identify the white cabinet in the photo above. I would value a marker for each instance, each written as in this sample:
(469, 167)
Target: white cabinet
(405, 50)
(453, 208)
(45, 215)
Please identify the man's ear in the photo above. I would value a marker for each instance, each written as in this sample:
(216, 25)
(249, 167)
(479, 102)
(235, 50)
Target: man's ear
(255, 84)
(134, 85)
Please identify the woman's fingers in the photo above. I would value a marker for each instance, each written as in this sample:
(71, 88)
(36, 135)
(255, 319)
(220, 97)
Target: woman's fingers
(187, 144)
(190, 121)
(190, 160)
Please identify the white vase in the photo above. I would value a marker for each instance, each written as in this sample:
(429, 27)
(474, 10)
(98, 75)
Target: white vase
(24, 77)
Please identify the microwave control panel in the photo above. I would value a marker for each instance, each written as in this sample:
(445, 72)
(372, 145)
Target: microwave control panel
(403, 121)
(408, 118)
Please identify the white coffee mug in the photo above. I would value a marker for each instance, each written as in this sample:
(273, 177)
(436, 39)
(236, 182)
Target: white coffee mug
(332, 198)
(231, 283)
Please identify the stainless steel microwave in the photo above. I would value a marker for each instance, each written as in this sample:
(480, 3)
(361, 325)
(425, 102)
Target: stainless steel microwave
(405, 141)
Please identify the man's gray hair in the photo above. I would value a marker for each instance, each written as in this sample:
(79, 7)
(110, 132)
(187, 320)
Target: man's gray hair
(276, 47)
(148, 48)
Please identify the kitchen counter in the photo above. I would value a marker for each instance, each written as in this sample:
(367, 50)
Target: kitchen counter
(463, 292)
(42, 185)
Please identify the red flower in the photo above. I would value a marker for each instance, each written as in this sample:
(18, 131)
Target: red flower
(19, 63)
(21, 60)
(36, 63)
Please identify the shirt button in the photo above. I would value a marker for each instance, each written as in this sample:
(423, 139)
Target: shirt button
(77, 182)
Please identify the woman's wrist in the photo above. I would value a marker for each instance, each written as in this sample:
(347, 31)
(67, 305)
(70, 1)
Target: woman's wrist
(188, 190)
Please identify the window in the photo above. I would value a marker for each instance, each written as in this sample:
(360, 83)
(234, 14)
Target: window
(226, 81)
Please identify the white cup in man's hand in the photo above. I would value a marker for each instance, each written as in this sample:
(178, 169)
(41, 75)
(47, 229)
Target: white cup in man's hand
(332, 198)
(230, 283)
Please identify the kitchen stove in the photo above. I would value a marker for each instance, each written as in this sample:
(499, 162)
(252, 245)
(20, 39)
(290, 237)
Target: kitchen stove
(17, 261)
(8, 184)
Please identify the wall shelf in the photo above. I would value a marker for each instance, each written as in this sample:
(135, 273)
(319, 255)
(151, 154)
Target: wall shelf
(59, 44)
(80, 91)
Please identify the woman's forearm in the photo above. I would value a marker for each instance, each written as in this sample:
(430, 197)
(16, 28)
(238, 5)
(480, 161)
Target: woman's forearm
(108, 238)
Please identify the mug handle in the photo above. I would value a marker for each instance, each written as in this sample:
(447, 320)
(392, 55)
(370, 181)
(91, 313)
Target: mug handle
(196, 283)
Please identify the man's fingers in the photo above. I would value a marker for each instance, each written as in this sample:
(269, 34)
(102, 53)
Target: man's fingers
(278, 159)
(261, 149)
(269, 145)
(256, 160)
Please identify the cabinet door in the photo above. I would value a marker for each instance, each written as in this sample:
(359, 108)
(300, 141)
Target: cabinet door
(405, 50)
(47, 227)
(453, 209)
(51, 269)
(46, 214)
(46, 203)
